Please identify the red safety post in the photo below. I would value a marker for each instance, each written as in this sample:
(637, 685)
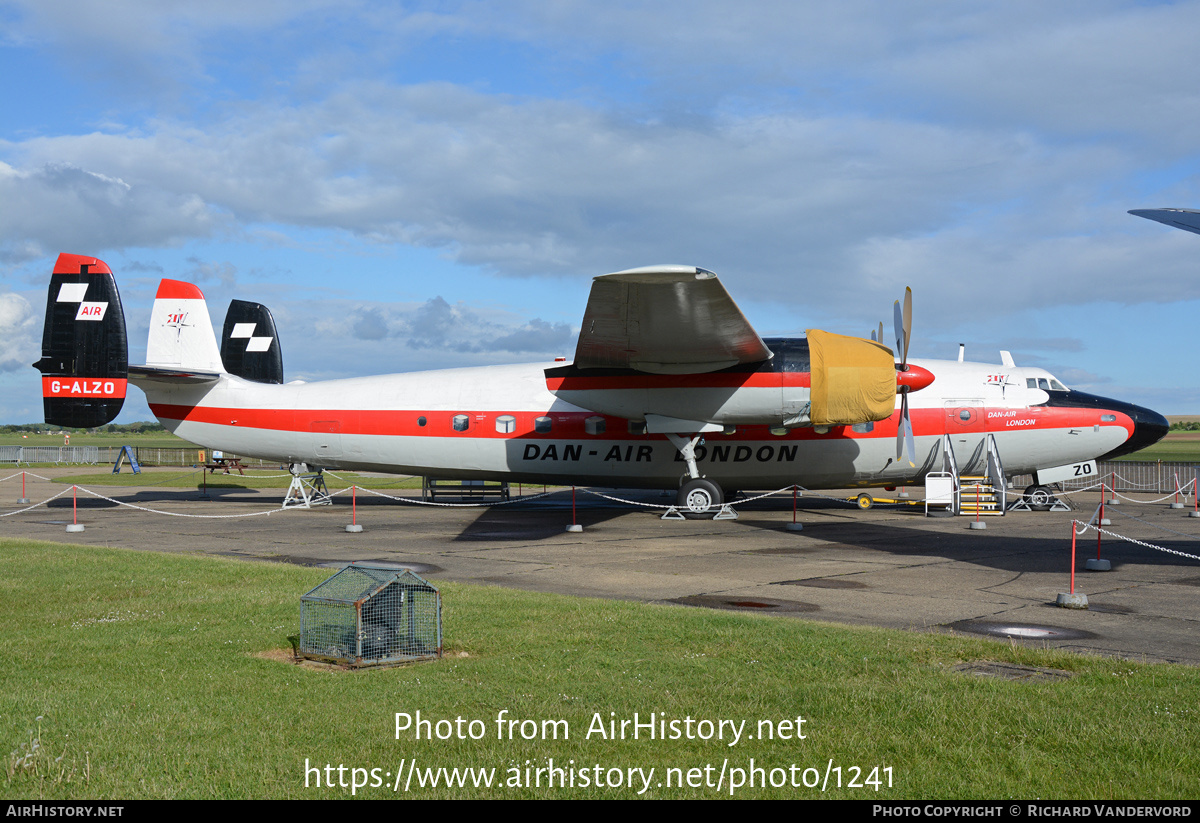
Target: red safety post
(354, 528)
(794, 526)
(1098, 564)
(1073, 522)
(574, 527)
(1072, 600)
(75, 526)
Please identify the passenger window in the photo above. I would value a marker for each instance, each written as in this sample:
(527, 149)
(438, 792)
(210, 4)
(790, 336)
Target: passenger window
(636, 428)
(421, 421)
(461, 422)
(594, 425)
(542, 425)
(506, 424)
(863, 428)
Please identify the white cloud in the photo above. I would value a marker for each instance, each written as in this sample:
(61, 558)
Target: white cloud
(58, 206)
(18, 329)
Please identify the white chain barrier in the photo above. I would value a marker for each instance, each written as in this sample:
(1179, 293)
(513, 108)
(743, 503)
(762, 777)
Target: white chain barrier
(488, 504)
(1081, 528)
(1155, 525)
(35, 505)
(28, 474)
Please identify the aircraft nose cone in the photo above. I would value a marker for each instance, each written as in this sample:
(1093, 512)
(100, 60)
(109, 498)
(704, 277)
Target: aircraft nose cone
(1148, 425)
(1148, 428)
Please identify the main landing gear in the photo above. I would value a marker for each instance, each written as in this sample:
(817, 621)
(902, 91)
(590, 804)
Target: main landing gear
(699, 498)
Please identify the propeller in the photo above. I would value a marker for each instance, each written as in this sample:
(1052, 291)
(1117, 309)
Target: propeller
(902, 317)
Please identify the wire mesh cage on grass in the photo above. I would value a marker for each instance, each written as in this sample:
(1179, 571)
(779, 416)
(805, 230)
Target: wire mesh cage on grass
(370, 615)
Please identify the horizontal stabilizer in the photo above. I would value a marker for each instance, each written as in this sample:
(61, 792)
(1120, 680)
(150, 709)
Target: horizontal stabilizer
(85, 355)
(170, 376)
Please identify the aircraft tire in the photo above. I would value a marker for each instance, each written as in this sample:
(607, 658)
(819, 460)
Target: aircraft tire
(1040, 498)
(699, 499)
(864, 501)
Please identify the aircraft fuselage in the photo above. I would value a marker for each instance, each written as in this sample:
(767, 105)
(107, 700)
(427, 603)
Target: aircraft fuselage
(502, 422)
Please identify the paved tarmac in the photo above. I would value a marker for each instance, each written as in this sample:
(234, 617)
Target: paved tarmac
(889, 566)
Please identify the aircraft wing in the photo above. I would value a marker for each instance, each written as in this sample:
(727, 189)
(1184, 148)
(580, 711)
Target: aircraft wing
(1186, 219)
(665, 320)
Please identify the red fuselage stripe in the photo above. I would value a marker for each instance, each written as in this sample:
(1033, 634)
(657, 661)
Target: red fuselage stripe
(715, 380)
(441, 423)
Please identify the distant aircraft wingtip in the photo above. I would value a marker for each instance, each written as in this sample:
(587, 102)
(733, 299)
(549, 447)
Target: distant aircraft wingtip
(1186, 219)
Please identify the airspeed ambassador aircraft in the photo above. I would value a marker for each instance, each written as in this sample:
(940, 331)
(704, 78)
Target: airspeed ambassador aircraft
(670, 388)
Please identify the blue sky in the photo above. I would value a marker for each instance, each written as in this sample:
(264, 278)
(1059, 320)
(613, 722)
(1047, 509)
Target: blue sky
(428, 185)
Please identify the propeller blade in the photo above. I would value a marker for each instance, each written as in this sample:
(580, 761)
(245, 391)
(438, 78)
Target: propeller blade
(904, 432)
(907, 323)
(898, 326)
(910, 444)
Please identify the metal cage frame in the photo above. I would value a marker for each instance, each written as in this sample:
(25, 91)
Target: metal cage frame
(370, 615)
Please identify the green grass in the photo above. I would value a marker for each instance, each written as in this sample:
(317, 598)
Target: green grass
(1176, 447)
(150, 440)
(253, 479)
(139, 675)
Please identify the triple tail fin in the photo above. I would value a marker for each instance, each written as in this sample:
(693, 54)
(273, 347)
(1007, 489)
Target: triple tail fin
(181, 333)
(250, 344)
(85, 353)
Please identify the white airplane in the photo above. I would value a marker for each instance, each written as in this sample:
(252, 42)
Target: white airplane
(670, 388)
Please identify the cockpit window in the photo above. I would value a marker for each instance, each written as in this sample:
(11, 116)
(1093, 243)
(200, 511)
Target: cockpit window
(1045, 384)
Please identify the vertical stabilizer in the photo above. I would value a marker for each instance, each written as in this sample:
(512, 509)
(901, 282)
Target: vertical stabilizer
(250, 344)
(181, 333)
(85, 359)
